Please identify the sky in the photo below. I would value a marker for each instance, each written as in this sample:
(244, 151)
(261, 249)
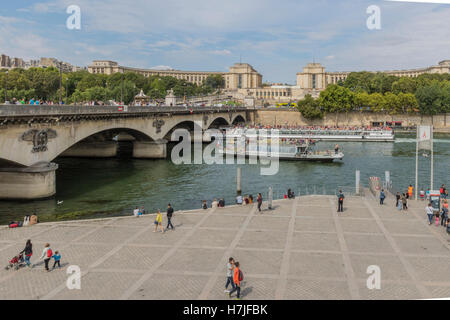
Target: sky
(278, 38)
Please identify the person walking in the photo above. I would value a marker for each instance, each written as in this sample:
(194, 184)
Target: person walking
(169, 217)
(237, 278)
(430, 213)
(158, 222)
(404, 202)
(230, 267)
(340, 201)
(259, 200)
(382, 197)
(57, 258)
(28, 251)
(47, 254)
(444, 215)
(397, 197)
(410, 191)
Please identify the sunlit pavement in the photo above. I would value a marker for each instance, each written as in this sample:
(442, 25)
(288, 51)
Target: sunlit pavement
(302, 249)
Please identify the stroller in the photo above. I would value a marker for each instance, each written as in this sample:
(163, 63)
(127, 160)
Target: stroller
(16, 262)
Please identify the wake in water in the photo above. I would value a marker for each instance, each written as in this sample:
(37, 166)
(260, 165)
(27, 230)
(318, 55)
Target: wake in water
(410, 140)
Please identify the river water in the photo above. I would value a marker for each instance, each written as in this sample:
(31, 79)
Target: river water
(92, 188)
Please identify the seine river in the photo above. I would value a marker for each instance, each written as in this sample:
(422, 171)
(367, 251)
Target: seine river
(91, 188)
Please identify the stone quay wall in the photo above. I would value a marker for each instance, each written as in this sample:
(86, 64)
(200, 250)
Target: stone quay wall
(440, 122)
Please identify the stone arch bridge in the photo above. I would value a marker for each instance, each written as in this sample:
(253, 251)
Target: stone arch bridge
(31, 137)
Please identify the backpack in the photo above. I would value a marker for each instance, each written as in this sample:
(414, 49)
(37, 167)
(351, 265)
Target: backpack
(241, 275)
(49, 253)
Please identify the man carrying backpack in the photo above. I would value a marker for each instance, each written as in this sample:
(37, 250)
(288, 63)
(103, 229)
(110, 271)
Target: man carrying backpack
(47, 254)
(169, 217)
(238, 276)
(340, 201)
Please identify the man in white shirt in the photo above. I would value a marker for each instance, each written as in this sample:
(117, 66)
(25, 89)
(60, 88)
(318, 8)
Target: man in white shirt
(136, 212)
(430, 213)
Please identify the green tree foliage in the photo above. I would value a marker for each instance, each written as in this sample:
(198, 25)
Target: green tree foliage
(336, 99)
(215, 81)
(378, 92)
(309, 108)
(81, 86)
(434, 97)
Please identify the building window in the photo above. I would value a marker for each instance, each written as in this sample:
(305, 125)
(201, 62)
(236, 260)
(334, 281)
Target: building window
(314, 81)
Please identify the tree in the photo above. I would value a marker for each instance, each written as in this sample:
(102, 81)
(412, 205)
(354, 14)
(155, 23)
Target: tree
(404, 85)
(361, 101)
(215, 81)
(309, 108)
(431, 99)
(407, 102)
(336, 99)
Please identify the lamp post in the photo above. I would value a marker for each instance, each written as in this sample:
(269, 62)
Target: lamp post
(121, 92)
(106, 92)
(60, 83)
(67, 90)
(6, 87)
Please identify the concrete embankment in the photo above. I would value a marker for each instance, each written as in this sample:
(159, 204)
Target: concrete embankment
(273, 117)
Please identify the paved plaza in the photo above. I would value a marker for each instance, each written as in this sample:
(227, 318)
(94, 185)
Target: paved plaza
(302, 249)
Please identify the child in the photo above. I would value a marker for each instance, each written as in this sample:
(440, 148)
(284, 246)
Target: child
(447, 225)
(57, 258)
(158, 222)
(422, 195)
(436, 217)
(428, 194)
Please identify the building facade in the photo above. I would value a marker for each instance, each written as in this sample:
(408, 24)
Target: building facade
(241, 75)
(7, 62)
(243, 81)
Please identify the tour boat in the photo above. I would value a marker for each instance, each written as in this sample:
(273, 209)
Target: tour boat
(286, 150)
(321, 134)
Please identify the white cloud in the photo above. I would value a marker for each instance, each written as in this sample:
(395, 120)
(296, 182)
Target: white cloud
(223, 52)
(162, 68)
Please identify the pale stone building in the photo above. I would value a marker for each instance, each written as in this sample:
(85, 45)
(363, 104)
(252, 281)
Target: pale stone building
(241, 75)
(244, 82)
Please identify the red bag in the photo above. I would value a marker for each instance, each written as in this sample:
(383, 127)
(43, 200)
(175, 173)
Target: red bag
(14, 225)
(49, 253)
(241, 276)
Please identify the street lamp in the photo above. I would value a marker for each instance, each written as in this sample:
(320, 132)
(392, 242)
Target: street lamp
(60, 84)
(121, 92)
(6, 87)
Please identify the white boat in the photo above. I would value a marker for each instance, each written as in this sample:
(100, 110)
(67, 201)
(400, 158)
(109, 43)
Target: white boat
(283, 151)
(317, 134)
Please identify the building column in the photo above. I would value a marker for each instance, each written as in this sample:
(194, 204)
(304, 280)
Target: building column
(150, 149)
(28, 183)
(95, 149)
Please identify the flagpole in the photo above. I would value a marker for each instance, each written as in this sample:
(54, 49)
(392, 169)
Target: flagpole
(432, 156)
(417, 159)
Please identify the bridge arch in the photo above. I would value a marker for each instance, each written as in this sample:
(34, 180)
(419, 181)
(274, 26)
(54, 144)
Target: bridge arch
(217, 122)
(238, 119)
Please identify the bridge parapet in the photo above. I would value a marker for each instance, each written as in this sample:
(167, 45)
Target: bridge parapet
(55, 110)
